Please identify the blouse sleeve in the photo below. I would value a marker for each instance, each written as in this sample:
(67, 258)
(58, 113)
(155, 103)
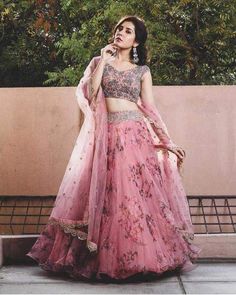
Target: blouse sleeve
(145, 69)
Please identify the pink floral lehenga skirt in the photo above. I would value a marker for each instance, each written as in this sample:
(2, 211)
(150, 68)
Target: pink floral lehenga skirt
(135, 234)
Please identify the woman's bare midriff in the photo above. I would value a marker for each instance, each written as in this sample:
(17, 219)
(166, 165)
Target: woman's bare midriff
(118, 104)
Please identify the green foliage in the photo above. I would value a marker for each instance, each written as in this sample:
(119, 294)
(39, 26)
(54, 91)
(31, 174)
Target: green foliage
(49, 43)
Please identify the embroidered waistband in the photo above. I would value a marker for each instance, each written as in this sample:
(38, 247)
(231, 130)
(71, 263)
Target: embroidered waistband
(124, 115)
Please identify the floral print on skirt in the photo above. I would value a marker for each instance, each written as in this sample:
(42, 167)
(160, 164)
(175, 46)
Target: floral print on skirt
(135, 235)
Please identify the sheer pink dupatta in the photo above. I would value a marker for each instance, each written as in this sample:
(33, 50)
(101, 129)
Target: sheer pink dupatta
(79, 203)
(177, 210)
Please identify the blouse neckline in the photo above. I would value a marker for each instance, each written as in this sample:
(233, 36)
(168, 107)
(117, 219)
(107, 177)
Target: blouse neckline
(120, 71)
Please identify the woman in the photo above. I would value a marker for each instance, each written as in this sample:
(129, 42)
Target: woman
(121, 208)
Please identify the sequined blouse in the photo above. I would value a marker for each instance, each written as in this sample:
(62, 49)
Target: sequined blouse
(124, 84)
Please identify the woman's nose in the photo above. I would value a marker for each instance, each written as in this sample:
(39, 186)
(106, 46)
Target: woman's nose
(120, 31)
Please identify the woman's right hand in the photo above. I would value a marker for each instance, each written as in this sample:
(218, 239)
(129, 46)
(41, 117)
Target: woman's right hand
(109, 51)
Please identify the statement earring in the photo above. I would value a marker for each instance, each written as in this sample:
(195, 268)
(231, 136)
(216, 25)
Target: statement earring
(135, 55)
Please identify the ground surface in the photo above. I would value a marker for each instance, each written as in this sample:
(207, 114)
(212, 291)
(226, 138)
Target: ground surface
(208, 278)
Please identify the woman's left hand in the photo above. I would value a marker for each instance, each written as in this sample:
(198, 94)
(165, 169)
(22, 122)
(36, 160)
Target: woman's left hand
(180, 153)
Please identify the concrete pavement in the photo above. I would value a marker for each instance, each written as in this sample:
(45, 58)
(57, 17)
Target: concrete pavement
(207, 278)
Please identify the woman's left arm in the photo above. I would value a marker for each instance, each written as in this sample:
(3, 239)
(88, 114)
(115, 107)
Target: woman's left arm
(160, 129)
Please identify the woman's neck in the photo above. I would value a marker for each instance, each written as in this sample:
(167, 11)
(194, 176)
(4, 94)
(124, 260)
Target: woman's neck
(123, 55)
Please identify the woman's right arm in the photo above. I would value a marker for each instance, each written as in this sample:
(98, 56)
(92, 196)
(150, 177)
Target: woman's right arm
(96, 77)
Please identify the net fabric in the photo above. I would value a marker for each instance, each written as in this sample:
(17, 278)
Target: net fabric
(153, 116)
(168, 161)
(80, 199)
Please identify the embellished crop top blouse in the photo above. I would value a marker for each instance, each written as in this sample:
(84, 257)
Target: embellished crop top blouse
(124, 84)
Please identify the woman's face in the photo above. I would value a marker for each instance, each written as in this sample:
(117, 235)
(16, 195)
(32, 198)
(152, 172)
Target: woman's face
(125, 35)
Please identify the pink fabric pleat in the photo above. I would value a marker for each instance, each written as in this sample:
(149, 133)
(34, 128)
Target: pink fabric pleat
(119, 210)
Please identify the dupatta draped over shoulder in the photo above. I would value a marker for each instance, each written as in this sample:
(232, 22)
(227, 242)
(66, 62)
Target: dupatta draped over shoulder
(80, 199)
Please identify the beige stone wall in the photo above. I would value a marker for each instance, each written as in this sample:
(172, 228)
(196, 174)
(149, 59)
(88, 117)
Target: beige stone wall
(39, 126)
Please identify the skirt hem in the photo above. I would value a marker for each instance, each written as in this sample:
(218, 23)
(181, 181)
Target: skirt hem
(100, 275)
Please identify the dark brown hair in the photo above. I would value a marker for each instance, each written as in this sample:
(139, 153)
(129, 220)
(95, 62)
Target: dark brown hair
(140, 36)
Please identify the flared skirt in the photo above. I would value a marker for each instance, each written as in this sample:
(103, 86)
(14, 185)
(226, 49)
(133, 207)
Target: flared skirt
(135, 233)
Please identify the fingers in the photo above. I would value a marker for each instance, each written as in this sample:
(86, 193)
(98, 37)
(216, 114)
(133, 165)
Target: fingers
(109, 51)
(111, 48)
(183, 152)
(114, 45)
(180, 153)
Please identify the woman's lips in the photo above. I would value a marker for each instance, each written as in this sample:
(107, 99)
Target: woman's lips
(118, 39)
